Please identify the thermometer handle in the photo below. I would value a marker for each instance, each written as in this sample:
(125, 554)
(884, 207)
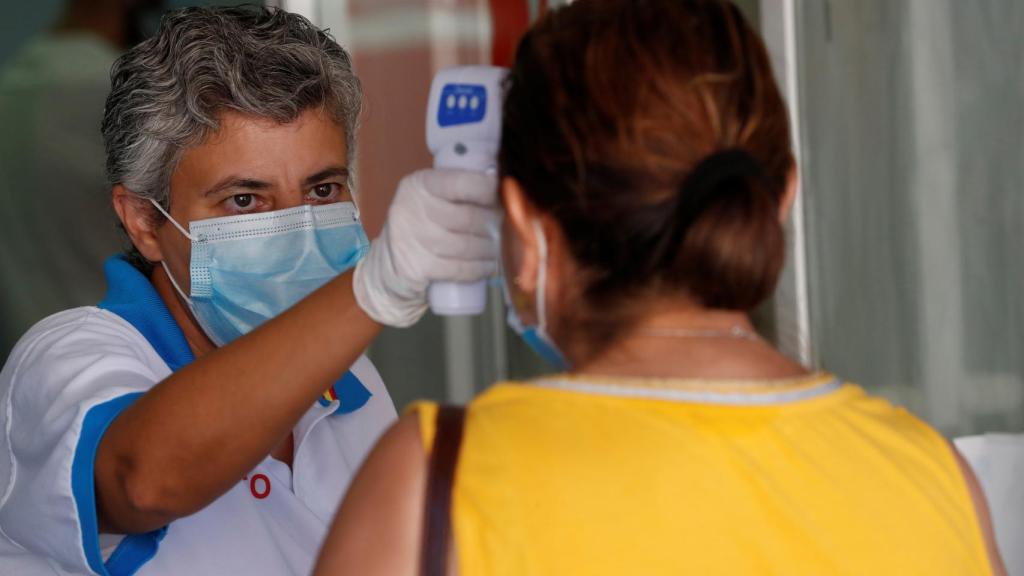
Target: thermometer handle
(452, 299)
(464, 131)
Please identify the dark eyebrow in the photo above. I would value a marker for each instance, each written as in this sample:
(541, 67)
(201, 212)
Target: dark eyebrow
(236, 182)
(329, 172)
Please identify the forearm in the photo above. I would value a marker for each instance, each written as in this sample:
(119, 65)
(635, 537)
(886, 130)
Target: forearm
(191, 437)
(199, 431)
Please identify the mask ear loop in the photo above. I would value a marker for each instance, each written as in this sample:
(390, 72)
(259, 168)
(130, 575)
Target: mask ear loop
(554, 355)
(173, 221)
(175, 283)
(540, 299)
(163, 263)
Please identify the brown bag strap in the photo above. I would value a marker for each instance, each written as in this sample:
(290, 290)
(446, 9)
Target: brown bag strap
(440, 478)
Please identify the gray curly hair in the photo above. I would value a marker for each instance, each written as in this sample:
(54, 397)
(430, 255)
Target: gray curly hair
(167, 92)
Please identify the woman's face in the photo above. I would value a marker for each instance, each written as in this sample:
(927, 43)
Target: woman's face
(254, 165)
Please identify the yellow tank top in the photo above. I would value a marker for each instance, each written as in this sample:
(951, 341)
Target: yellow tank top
(570, 476)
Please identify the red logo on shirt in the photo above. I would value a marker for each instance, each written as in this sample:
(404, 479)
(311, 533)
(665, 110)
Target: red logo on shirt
(259, 485)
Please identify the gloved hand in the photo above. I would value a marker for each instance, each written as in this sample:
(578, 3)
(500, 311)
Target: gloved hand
(441, 226)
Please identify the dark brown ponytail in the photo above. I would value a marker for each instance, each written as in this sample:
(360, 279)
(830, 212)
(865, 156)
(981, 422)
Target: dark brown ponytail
(654, 133)
(726, 244)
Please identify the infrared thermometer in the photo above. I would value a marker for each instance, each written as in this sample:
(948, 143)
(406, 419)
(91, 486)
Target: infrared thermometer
(463, 131)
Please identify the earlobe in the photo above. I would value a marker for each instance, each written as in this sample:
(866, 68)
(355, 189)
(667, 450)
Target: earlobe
(135, 216)
(519, 239)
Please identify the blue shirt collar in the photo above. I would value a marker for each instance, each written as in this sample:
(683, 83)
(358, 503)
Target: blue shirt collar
(132, 296)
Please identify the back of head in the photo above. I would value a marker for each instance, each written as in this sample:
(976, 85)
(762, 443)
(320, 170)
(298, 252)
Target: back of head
(654, 133)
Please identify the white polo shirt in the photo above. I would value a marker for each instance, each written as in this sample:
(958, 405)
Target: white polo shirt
(72, 374)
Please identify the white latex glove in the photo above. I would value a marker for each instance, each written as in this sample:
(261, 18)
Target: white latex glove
(441, 226)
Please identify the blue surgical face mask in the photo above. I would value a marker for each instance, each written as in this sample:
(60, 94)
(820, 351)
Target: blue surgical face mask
(249, 268)
(537, 337)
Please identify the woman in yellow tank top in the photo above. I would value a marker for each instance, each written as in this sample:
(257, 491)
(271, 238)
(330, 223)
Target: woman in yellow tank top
(646, 171)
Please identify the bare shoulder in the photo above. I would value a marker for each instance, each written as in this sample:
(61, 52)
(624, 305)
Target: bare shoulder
(378, 527)
(981, 509)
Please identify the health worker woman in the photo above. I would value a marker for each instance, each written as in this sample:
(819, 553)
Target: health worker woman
(647, 168)
(207, 416)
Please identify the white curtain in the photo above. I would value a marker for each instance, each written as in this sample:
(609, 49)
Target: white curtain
(913, 172)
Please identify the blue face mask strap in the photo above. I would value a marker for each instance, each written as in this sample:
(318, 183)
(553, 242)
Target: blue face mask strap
(173, 221)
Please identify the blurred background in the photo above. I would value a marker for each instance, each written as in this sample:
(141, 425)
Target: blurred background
(903, 272)
(57, 225)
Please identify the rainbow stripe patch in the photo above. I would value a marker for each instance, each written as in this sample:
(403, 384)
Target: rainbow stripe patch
(348, 391)
(328, 396)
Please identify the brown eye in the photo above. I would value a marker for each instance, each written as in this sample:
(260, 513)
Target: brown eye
(242, 200)
(323, 191)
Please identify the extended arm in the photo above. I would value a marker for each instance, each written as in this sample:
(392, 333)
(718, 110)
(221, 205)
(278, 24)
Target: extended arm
(194, 435)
